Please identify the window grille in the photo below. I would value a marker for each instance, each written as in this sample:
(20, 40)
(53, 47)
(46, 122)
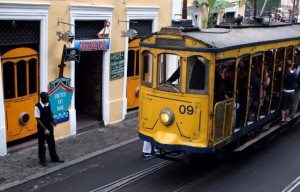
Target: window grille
(142, 27)
(85, 30)
(13, 32)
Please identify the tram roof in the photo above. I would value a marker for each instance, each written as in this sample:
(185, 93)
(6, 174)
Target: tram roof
(221, 38)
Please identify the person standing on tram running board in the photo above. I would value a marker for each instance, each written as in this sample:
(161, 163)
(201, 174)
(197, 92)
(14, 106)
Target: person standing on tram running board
(297, 88)
(45, 123)
(288, 91)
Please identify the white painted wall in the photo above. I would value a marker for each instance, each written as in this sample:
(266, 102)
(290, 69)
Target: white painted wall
(25, 11)
(91, 12)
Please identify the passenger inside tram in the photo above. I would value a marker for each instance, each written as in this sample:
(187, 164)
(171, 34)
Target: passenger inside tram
(266, 89)
(256, 93)
(219, 87)
(195, 76)
(229, 82)
(242, 86)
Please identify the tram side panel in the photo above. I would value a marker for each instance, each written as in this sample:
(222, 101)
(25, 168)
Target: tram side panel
(20, 119)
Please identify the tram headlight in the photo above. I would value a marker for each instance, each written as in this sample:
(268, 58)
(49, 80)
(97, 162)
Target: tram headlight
(24, 118)
(166, 117)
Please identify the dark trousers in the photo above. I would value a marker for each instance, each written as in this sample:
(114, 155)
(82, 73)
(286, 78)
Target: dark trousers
(51, 144)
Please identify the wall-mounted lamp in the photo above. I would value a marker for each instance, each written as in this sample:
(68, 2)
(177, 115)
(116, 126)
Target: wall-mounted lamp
(65, 36)
(131, 33)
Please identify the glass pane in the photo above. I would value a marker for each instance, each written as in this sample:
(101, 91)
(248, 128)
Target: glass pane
(9, 80)
(32, 76)
(147, 66)
(21, 78)
(197, 75)
(137, 63)
(169, 72)
(130, 69)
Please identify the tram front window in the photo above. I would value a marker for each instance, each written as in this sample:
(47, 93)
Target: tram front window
(169, 72)
(197, 75)
(147, 60)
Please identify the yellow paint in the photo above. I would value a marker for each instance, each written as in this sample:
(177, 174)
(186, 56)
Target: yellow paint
(14, 107)
(133, 82)
(186, 130)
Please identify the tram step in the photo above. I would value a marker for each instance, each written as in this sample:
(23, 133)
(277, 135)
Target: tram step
(265, 133)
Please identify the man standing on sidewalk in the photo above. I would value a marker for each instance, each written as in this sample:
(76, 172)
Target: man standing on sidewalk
(45, 123)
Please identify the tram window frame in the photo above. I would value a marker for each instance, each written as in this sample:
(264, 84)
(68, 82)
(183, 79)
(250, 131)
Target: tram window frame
(165, 71)
(9, 84)
(131, 63)
(137, 63)
(222, 65)
(22, 78)
(205, 75)
(32, 73)
(147, 68)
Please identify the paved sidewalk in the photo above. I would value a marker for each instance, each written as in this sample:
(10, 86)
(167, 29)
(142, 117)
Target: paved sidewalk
(22, 166)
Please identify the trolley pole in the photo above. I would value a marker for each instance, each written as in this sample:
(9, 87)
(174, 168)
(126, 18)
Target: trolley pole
(184, 9)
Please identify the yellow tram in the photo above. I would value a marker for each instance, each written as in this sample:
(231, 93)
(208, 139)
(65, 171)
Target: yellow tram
(133, 78)
(203, 89)
(20, 88)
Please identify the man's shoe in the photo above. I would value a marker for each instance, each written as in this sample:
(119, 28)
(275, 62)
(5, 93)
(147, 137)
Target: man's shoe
(147, 154)
(59, 161)
(44, 163)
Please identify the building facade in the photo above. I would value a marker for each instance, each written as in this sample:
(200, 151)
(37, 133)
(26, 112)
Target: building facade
(33, 59)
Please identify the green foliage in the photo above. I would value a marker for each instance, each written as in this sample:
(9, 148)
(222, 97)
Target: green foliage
(214, 6)
(211, 22)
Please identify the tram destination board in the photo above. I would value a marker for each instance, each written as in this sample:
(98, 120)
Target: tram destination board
(116, 65)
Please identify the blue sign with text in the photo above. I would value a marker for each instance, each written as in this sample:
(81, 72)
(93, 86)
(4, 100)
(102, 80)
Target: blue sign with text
(60, 97)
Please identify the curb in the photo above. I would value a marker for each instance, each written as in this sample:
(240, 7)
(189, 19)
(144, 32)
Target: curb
(66, 164)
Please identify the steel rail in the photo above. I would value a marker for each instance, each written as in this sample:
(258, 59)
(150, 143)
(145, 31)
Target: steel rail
(113, 186)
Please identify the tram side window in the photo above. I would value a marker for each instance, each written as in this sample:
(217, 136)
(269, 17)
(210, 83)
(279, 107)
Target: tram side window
(137, 59)
(8, 80)
(32, 76)
(130, 69)
(197, 75)
(169, 72)
(297, 57)
(147, 68)
(168, 69)
(224, 79)
(21, 78)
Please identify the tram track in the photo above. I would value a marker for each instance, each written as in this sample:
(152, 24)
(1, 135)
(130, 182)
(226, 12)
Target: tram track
(118, 184)
(197, 180)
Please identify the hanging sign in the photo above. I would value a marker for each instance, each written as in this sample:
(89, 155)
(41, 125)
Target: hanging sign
(60, 97)
(72, 54)
(92, 45)
(117, 65)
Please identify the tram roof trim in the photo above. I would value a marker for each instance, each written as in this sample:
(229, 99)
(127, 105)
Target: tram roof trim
(243, 36)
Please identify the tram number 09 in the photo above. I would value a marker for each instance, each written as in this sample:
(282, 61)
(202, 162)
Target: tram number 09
(186, 109)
